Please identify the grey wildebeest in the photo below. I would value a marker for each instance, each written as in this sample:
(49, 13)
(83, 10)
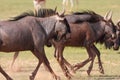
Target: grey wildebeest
(41, 13)
(32, 33)
(84, 27)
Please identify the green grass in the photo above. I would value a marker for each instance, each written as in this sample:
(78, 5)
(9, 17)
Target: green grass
(14, 7)
(26, 62)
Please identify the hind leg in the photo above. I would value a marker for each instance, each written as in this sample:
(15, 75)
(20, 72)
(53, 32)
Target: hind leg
(91, 58)
(14, 58)
(94, 51)
(5, 74)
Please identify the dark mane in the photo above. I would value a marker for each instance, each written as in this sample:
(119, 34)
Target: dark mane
(89, 16)
(44, 12)
(41, 13)
(85, 12)
(22, 15)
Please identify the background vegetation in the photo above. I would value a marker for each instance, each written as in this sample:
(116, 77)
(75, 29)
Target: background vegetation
(26, 62)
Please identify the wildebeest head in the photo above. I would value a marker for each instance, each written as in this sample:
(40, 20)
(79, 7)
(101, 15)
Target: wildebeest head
(109, 26)
(117, 40)
(114, 40)
(62, 27)
(110, 29)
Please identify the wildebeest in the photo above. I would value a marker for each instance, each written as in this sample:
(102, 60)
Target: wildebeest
(32, 33)
(92, 29)
(87, 28)
(44, 12)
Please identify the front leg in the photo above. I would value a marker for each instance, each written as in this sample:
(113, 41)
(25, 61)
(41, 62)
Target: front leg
(40, 58)
(60, 59)
(99, 59)
(5, 74)
(48, 67)
(93, 54)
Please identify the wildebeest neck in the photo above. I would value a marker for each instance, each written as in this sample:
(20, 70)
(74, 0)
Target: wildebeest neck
(49, 25)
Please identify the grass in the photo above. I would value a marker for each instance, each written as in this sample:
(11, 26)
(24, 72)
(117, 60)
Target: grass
(26, 62)
(15, 7)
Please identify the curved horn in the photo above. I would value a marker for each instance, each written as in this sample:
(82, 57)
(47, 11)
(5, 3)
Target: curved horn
(55, 9)
(108, 15)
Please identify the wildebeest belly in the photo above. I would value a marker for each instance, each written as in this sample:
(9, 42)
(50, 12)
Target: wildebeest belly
(75, 42)
(80, 35)
(15, 39)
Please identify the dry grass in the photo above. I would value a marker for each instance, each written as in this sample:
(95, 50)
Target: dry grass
(26, 63)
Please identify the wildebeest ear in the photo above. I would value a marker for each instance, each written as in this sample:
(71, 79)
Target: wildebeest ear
(62, 13)
(108, 15)
(59, 18)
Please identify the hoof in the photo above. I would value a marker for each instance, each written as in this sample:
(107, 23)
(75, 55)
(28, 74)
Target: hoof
(9, 78)
(56, 78)
(88, 72)
(102, 71)
(69, 78)
(31, 77)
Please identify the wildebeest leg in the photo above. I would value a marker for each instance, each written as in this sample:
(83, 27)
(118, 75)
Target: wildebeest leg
(5, 74)
(64, 60)
(93, 54)
(14, 58)
(68, 64)
(59, 56)
(40, 58)
(47, 65)
(99, 59)
(91, 58)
